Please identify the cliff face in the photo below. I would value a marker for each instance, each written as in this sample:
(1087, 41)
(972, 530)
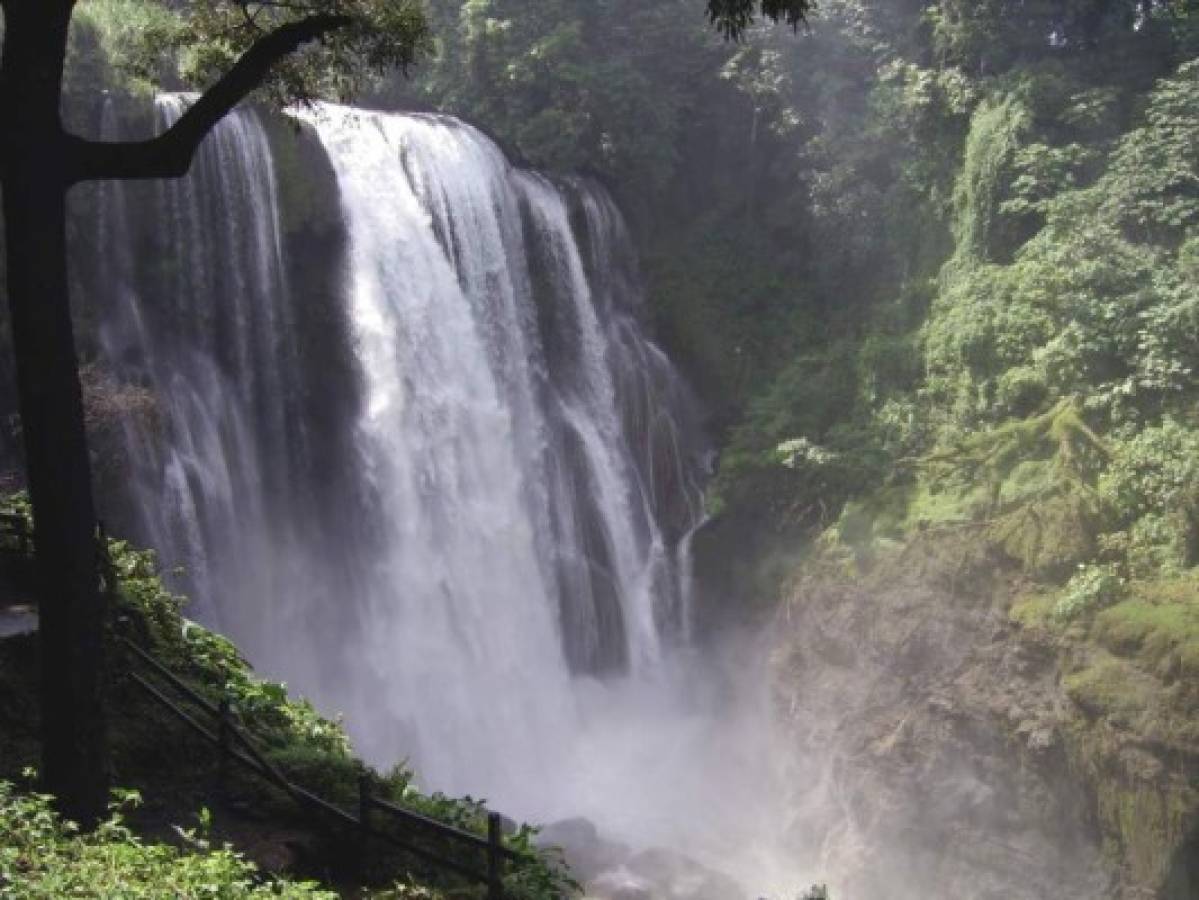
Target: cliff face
(945, 748)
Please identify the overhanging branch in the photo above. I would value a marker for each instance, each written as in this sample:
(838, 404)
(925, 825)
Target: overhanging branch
(170, 154)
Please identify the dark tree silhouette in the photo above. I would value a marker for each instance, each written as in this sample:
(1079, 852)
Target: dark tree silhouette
(39, 162)
(733, 17)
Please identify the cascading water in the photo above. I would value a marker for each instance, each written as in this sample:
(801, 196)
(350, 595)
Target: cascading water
(459, 630)
(485, 569)
(532, 451)
(219, 475)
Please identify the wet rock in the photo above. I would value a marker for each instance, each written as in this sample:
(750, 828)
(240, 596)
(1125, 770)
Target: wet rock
(933, 767)
(1042, 739)
(679, 877)
(587, 852)
(620, 884)
(656, 874)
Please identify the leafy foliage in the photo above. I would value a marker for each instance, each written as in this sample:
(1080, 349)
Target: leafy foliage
(42, 856)
(1152, 191)
(119, 44)
(596, 87)
(1097, 304)
(146, 44)
(309, 748)
(379, 35)
(214, 665)
(1091, 588)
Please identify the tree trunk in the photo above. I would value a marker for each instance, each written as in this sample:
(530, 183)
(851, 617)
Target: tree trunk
(33, 167)
(38, 162)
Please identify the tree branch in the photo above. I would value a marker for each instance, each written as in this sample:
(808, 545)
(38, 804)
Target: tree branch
(170, 154)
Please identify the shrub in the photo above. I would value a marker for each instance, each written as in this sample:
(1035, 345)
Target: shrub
(1150, 483)
(1154, 470)
(1092, 587)
(42, 857)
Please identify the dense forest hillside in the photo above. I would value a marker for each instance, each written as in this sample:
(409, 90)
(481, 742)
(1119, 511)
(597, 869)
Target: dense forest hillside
(852, 233)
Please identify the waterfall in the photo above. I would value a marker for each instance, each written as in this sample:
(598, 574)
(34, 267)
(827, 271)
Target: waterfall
(197, 314)
(520, 466)
(532, 450)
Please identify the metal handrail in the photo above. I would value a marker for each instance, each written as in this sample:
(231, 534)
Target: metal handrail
(443, 829)
(176, 682)
(253, 759)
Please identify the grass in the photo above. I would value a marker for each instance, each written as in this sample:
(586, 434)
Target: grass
(1114, 688)
(42, 857)
(1158, 626)
(1034, 610)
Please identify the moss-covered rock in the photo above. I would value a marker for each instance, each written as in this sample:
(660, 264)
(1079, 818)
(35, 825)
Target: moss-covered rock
(1050, 536)
(1114, 689)
(1102, 704)
(1146, 800)
(928, 732)
(309, 199)
(1158, 626)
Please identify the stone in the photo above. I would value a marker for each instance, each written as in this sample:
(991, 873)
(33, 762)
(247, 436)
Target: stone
(587, 852)
(620, 884)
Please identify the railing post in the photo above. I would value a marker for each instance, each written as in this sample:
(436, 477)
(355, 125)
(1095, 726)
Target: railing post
(22, 537)
(108, 569)
(495, 858)
(223, 734)
(364, 807)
